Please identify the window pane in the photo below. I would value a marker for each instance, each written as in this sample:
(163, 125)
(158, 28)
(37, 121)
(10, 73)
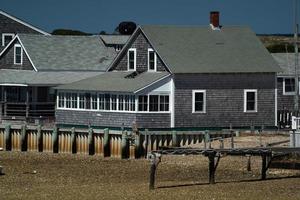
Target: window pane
(107, 102)
(132, 103)
(250, 105)
(94, 101)
(61, 101)
(82, 101)
(101, 102)
(289, 85)
(68, 100)
(143, 103)
(151, 60)
(131, 59)
(7, 39)
(164, 103)
(18, 56)
(153, 104)
(114, 102)
(199, 102)
(74, 100)
(121, 102)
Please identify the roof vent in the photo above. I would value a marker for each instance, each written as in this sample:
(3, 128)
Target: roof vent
(132, 75)
(214, 20)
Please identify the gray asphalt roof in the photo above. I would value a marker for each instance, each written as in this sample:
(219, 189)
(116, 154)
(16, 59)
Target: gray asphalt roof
(286, 62)
(114, 39)
(67, 52)
(115, 82)
(42, 78)
(194, 49)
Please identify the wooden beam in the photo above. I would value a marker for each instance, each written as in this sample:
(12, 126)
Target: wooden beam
(211, 167)
(155, 160)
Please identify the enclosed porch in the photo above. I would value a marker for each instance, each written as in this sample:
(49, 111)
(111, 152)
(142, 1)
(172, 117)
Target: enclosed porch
(26, 103)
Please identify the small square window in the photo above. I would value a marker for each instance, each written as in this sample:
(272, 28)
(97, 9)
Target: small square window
(250, 100)
(6, 38)
(199, 101)
(289, 86)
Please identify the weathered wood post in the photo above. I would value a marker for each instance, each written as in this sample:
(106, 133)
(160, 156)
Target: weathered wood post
(175, 142)
(73, 140)
(155, 159)
(248, 163)
(125, 146)
(23, 138)
(138, 146)
(8, 137)
(146, 143)
(55, 139)
(212, 169)
(40, 138)
(91, 142)
(106, 145)
(264, 167)
(232, 138)
(206, 138)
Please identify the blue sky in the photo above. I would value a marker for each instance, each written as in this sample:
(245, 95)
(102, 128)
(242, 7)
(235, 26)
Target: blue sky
(263, 16)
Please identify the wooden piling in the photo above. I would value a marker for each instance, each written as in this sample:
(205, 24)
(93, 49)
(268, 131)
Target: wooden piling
(174, 139)
(138, 146)
(73, 140)
(91, 141)
(264, 167)
(248, 163)
(40, 138)
(124, 146)
(211, 167)
(106, 145)
(8, 137)
(55, 139)
(23, 138)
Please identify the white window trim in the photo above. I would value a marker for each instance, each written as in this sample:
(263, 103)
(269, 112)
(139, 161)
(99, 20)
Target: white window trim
(245, 101)
(155, 59)
(204, 101)
(283, 85)
(15, 46)
(134, 50)
(6, 34)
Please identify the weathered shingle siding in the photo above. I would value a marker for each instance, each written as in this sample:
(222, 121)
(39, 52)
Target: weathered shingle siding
(284, 102)
(224, 100)
(153, 120)
(110, 119)
(7, 60)
(7, 25)
(141, 44)
(113, 119)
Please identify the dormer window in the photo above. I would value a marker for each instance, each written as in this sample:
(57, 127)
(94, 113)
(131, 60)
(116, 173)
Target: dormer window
(18, 54)
(6, 38)
(131, 59)
(151, 60)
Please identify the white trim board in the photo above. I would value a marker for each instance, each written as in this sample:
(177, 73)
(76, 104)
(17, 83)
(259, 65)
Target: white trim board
(24, 23)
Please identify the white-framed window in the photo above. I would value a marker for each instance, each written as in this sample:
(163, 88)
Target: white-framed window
(6, 38)
(81, 101)
(151, 60)
(199, 101)
(61, 100)
(131, 55)
(153, 103)
(114, 104)
(289, 86)
(18, 54)
(94, 101)
(250, 100)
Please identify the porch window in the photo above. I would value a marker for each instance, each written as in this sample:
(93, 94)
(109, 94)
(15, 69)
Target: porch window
(151, 60)
(132, 103)
(199, 101)
(289, 86)
(114, 102)
(82, 101)
(101, 102)
(143, 103)
(131, 59)
(61, 100)
(107, 102)
(153, 105)
(94, 102)
(121, 102)
(6, 38)
(18, 54)
(250, 100)
(164, 103)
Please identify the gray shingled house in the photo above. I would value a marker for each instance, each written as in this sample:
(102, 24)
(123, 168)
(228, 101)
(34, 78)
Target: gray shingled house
(178, 77)
(31, 65)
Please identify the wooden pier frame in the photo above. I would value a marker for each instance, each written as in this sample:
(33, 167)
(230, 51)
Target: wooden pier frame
(214, 156)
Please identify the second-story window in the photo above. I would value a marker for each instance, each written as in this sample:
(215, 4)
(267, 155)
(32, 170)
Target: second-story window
(6, 38)
(131, 59)
(18, 54)
(151, 60)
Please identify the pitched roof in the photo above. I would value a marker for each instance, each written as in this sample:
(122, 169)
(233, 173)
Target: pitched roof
(286, 61)
(194, 49)
(28, 77)
(114, 39)
(68, 53)
(24, 23)
(116, 81)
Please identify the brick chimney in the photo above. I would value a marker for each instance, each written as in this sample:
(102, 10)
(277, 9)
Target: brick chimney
(214, 20)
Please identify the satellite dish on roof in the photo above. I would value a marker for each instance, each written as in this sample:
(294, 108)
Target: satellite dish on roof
(127, 28)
